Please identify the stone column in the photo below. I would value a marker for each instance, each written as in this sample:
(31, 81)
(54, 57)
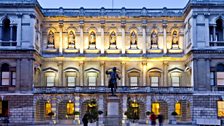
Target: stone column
(33, 30)
(81, 40)
(207, 30)
(19, 30)
(61, 39)
(214, 33)
(123, 39)
(124, 107)
(11, 32)
(54, 109)
(194, 32)
(165, 74)
(60, 74)
(102, 73)
(171, 107)
(102, 39)
(148, 105)
(77, 108)
(144, 67)
(123, 67)
(18, 74)
(164, 38)
(81, 67)
(101, 108)
(144, 42)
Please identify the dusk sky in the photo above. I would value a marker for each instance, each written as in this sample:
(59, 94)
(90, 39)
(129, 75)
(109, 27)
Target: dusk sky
(117, 3)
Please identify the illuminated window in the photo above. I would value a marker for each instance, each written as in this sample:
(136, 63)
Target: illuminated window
(71, 81)
(220, 108)
(220, 78)
(155, 108)
(178, 108)
(48, 108)
(70, 108)
(50, 81)
(0, 107)
(175, 81)
(154, 81)
(134, 81)
(3, 108)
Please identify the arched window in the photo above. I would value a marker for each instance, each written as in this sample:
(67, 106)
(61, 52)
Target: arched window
(219, 30)
(8, 75)
(51, 39)
(71, 39)
(6, 30)
(178, 108)
(70, 106)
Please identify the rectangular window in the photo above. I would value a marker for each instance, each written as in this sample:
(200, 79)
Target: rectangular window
(134, 81)
(212, 82)
(154, 81)
(220, 105)
(155, 108)
(50, 81)
(175, 81)
(5, 78)
(70, 108)
(178, 108)
(13, 78)
(47, 108)
(92, 81)
(71, 81)
(220, 78)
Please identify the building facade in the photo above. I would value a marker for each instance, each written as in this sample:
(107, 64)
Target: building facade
(55, 60)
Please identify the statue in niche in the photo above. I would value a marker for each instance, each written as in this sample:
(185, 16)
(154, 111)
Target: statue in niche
(113, 38)
(154, 39)
(92, 38)
(133, 38)
(175, 38)
(113, 80)
(50, 42)
(71, 38)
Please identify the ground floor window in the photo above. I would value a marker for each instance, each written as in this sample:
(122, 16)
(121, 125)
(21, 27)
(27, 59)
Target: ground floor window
(220, 105)
(3, 108)
(48, 108)
(70, 108)
(178, 108)
(155, 108)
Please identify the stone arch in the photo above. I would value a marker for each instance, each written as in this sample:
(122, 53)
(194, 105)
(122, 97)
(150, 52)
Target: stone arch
(53, 29)
(186, 103)
(40, 111)
(214, 19)
(163, 106)
(141, 101)
(84, 102)
(71, 28)
(6, 17)
(92, 28)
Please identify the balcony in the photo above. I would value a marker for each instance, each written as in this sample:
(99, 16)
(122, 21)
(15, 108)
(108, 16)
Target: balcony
(217, 43)
(105, 89)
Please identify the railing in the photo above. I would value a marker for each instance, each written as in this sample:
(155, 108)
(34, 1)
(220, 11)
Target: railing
(105, 89)
(217, 43)
(7, 88)
(8, 43)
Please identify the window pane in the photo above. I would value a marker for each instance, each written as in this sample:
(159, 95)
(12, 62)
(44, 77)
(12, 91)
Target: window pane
(154, 81)
(220, 108)
(5, 75)
(5, 81)
(71, 81)
(220, 78)
(92, 81)
(13, 78)
(175, 81)
(70, 108)
(50, 81)
(134, 81)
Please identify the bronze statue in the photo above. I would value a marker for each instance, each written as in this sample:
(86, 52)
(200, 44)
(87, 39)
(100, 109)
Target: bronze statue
(113, 80)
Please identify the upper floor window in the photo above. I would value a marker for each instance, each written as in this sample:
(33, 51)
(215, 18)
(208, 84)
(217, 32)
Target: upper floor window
(175, 76)
(9, 33)
(71, 78)
(220, 74)
(134, 78)
(50, 79)
(216, 30)
(92, 79)
(8, 75)
(154, 77)
(175, 80)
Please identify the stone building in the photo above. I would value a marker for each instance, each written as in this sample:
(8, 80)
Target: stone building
(55, 60)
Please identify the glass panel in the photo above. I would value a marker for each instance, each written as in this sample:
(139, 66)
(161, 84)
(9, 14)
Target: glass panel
(220, 108)
(14, 78)
(92, 81)
(70, 108)
(5, 81)
(212, 78)
(154, 81)
(47, 108)
(155, 108)
(220, 78)
(178, 108)
(176, 81)
(71, 81)
(134, 81)
(50, 81)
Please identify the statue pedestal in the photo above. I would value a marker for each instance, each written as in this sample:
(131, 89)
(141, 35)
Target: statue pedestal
(113, 117)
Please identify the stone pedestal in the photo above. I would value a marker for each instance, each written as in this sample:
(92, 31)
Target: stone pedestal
(113, 118)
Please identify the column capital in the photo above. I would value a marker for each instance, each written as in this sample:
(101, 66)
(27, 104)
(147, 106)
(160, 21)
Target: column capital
(102, 63)
(81, 63)
(123, 63)
(61, 23)
(144, 63)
